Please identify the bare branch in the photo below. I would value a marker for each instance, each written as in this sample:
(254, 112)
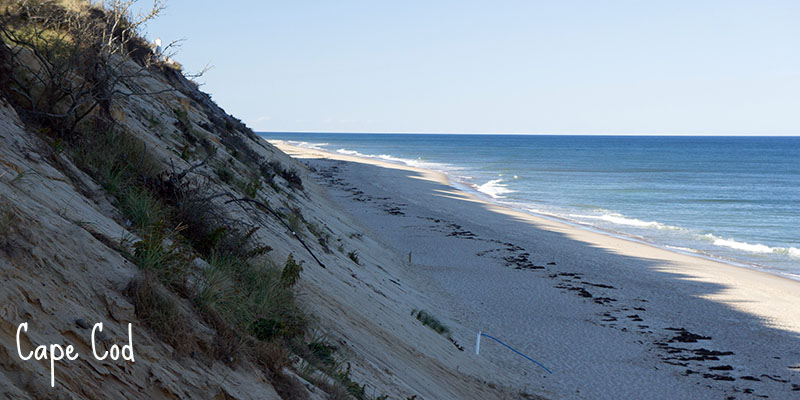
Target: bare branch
(65, 63)
(206, 68)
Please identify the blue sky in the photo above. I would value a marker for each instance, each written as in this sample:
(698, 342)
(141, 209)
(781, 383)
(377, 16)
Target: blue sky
(584, 67)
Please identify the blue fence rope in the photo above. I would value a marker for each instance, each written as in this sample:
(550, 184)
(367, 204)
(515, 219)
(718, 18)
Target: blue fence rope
(515, 351)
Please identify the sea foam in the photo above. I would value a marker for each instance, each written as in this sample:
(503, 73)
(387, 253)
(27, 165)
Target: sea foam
(308, 145)
(398, 160)
(619, 219)
(494, 188)
(759, 248)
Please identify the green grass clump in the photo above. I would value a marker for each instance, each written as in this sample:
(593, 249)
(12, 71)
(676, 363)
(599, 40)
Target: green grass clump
(290, 175)
(430, 321)
(141, 207)
(295, 220)
(155, 307)
(8, 220)
(323, 238)
(181, 115)
(9, 223)
(353, 388)
(250, 189)
(322, 351)
(224, 174)
(353, 255)
(165, 260)
(26, 177)
(254, 297)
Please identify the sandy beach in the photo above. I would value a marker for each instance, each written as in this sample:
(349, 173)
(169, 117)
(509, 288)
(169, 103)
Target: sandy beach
(612, 318)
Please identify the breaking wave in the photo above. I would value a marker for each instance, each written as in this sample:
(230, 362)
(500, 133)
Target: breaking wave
(398, 160)
(758, 248)
(619, 219)
(308, 145)
(494, 188)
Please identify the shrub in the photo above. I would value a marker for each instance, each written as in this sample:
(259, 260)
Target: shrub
(64, 64)
(215, 286)
(267, 330)
(291, 272)
(112, 179)
(261, 303)
(291, 175)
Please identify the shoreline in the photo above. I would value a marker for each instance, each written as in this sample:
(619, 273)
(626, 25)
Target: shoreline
(633, 238)
(608, 315)
(472, 190)
(750, 283)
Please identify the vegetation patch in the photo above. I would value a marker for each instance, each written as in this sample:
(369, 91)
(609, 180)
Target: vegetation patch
(198, 264)
(139, 206)
(224, 174)
(9, 222)
(353, 255)
(158, 310)
(430, 321)
(323, 238)
(291, 271)
(295, 220)
(8, 219)
(290, 175)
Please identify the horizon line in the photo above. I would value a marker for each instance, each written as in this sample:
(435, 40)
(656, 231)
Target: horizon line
(530, 134)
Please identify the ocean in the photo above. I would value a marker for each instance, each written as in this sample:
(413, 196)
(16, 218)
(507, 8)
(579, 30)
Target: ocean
(735, 199)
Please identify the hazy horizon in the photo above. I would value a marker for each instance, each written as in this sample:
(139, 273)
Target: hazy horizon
(725, 68)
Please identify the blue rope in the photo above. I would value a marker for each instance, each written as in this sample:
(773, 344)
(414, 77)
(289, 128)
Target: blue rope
(515, 351)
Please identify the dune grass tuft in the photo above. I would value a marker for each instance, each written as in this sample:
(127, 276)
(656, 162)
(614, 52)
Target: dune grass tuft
(430, 321)
(353, 255)
(158, 310)
(140, 207)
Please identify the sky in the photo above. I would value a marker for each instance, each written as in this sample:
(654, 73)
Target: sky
(698, 67)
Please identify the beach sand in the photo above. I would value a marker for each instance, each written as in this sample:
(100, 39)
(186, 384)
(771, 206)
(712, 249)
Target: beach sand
(611, 317)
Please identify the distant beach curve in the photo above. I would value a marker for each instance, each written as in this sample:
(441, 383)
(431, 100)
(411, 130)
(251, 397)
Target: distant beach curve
(733, 199)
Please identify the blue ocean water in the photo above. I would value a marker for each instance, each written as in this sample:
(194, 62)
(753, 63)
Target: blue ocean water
(732, 198)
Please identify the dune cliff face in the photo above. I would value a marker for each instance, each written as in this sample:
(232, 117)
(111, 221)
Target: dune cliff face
(162, 213)
(66, 258)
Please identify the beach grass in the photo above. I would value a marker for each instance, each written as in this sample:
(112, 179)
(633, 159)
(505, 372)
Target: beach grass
(430, 321)
(140, 207)
(290, 175)
(353, 255)
(247, 300)
(8, 220)
(157, 308)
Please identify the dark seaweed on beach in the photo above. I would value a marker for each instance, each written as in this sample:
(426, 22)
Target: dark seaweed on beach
(685, 336)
